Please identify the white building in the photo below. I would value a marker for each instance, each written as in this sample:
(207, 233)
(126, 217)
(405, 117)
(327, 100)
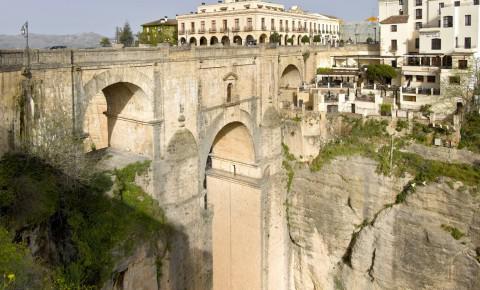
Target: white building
(431, 40)
(245, 22)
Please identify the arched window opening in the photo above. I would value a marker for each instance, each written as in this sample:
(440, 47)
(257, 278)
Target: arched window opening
(229, 92)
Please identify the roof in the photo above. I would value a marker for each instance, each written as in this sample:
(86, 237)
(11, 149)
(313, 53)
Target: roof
(397, 19)
(162, 22)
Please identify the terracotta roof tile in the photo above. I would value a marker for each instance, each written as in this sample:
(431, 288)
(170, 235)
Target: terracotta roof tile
(397, 19)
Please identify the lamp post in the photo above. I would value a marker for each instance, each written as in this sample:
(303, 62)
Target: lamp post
(24, 31)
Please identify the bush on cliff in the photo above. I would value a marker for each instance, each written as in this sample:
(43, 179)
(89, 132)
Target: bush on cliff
(83, 231)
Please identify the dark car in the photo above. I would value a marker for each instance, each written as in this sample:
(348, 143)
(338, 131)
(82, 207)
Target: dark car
(58, 47)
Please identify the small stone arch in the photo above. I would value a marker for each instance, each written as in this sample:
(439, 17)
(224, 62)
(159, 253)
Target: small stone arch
(193, 41)
(237, 40)
(213, 40)
(181, 146)
(250, 40)
(203, 41)
(286, 40)
(299, 40)
(291, 77)
(225, 41)
(183, 41)
(263, 38)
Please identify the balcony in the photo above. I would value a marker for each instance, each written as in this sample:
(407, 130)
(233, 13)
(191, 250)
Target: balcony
(201, 31)
(191, 31)
(248, 28)
(224, 30)
(264, 28)
(421, 91)
(287, 29)
(181, 32)
(236, 29)
(274, 28)
(429, 61)
(281, 29)
(212, 30)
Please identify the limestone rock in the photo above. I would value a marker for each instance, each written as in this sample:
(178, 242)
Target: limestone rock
(399, 247)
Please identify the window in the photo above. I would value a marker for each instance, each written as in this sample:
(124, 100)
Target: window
(400, 12)
(182, 28)
(418, 14)
(418, 25)
(431, 79)
(272, 24)
(400, 2)
(468, 20)
(420, 79)
(214, 25)
(468, 42)
(263, 24)
(249, 24)
(393, 28)
(457, 3)
(454, 80)
(229, 92)
(418, 2)
(436, 44)
(463, 64)
(394, 45)
(237, 24)
(225, 23)
(417, 43)
(408, 77)
(447, 21)
(202, 26)
(476, 2)
(192, 27)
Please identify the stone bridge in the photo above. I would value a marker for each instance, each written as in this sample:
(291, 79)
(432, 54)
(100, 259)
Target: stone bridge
(206, 117)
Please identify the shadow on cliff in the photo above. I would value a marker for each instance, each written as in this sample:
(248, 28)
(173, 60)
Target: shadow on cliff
(91, 239)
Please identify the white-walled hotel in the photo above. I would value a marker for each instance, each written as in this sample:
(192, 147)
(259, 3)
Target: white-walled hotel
(430, 40)
(245, 22)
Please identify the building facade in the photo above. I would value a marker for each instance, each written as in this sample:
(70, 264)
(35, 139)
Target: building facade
(253, 22)
(160, 31)
(431, 41)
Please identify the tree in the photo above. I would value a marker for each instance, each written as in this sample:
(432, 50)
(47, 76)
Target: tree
(105, 42)
(126, 35)
(317, 39)
(275, 38)
(290, 40)
(462, 84)
(305, 39)
(381, 73)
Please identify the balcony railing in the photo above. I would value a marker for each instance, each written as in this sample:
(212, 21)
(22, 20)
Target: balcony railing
(422, 91)
(365, 98)
(236, 29)
(264, 28)
(282, 29)
(191, 31)
(248, 28)
(181, 32)
(223, 30)
(201, 31)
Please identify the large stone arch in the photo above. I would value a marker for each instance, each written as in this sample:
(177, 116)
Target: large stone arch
(217, 125)
(106, 79)
(233, 188)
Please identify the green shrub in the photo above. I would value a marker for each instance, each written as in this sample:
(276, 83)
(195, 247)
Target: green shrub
(471, 132)
(324, 71)
(401, 125)
(386, 109)
(456, 233)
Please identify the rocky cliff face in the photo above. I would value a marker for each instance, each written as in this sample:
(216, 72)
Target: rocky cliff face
(344, 236)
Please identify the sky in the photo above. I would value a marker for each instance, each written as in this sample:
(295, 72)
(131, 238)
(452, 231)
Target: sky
(102, 16)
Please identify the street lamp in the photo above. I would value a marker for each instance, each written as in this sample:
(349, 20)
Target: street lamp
(24, 32)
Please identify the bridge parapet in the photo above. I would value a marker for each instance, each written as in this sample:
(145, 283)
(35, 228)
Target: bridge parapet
(41, 58)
